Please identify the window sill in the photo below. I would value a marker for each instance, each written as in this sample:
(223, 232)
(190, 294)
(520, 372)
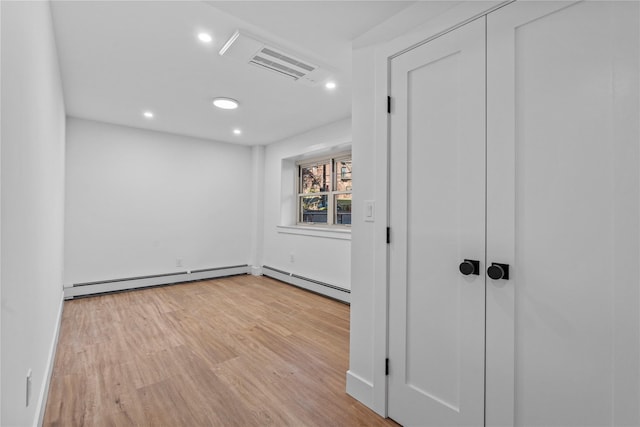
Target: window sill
(326, 232)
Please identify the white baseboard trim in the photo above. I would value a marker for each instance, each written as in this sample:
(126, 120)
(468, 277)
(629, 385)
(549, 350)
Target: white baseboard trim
(256, 270)
(44, 391)
(85, 289)
(318, 287)
(360, 389)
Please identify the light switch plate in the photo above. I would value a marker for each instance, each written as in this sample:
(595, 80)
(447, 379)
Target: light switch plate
(369, 210)
(28, 388)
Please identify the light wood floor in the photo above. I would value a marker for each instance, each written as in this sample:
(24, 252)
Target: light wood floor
(239, 351)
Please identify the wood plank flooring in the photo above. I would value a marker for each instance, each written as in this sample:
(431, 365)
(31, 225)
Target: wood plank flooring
(238, 351)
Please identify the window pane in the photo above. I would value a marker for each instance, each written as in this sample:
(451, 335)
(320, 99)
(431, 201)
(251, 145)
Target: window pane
(313, 209)
(343, 175)
(315, 178)
(343, 208)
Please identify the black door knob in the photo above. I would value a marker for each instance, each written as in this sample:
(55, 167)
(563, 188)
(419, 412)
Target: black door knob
(469, 266)
(498, 271)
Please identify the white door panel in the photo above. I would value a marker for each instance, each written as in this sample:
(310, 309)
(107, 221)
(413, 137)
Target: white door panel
(562, 335)
(562, 180)
(437, 221)
(560, 172)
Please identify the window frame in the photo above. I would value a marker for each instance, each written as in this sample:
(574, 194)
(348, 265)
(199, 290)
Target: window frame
(331, 194)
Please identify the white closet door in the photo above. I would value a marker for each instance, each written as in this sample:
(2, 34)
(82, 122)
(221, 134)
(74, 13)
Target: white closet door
(562, 210)
(436, 340)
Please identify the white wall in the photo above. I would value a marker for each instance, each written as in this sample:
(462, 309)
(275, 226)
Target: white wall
(257, 208)
(0, 219)
(32, 219)
(364, 242)
(138, 200)
(320, 258)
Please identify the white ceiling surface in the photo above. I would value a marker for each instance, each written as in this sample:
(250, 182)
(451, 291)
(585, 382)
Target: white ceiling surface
(120, 58)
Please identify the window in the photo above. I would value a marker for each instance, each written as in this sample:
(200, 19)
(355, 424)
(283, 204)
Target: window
(324, 191)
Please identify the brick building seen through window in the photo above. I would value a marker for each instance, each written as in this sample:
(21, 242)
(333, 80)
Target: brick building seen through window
(324, 191)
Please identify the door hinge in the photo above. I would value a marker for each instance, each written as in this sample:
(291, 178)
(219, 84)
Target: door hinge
(386, 366)
(388, 105)
(388, 235)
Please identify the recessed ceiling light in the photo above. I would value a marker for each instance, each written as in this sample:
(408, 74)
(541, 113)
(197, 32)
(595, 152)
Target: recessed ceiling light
(237, 131)
(330, 85)
(205, 37)
(148, 114)
(225, 103)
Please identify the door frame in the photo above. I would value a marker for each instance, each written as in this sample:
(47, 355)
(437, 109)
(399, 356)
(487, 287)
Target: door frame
(449, 21)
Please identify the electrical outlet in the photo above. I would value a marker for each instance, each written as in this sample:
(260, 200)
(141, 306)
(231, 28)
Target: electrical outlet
(292, 258)
(28, 393)
(178, 262)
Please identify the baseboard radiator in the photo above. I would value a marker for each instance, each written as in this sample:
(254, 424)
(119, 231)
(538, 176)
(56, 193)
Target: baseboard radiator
(115, 285)
(322, 288)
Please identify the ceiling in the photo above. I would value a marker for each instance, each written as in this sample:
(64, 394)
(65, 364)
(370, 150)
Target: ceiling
(121, 58)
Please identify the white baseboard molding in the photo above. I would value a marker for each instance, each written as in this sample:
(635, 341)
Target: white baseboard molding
(85, 289)
(256, 270)
(316, 286)
(44, 391)
(360, 389)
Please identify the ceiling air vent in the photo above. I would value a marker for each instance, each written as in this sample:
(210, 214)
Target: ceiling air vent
(253, 51)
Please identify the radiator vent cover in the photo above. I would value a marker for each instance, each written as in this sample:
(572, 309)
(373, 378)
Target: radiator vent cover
(254, 51)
